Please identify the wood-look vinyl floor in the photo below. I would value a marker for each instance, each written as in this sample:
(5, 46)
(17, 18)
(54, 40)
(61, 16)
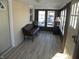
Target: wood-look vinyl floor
(45, 46)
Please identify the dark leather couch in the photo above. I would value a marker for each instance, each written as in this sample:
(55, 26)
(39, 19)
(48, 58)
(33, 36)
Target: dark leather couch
(30, 30)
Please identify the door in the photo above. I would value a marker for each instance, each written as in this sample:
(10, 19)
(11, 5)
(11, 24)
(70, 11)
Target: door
(72, 34)
(41, 18)
(50, 18)
(5, 41)
(76, 50)
(46, 18)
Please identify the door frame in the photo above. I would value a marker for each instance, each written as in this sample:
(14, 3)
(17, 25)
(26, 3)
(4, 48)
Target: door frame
(64, 38)
(10, 2)
(36, 17)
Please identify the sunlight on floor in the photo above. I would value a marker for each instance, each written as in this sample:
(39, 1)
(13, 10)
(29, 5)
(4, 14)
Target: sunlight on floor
(60, 56)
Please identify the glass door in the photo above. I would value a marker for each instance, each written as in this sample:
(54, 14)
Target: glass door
(46, 18)
(50, 18)
(41, 18)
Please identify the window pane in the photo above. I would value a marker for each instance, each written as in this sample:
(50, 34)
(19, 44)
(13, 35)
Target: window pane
(65, 16)
(75, 7)
(65, 12)
(77, 10)
(71, 20)
(50, 18)
(72, 12)
(41, 18)
(74, 15)
(75, 22)
(63, 20)
(62, 12)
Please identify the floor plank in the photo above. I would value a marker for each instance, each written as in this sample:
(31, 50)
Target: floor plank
(45, 46)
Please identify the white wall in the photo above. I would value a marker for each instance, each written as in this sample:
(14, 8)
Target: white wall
(5, 41)
(20, 19)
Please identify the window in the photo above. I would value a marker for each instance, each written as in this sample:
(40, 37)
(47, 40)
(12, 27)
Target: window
(46, 18)
(2, 6)
(50, 18)
(63, 20)
(74, 15)
(41, 18)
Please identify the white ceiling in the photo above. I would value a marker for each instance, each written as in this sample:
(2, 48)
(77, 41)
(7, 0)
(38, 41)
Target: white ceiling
(46, 4)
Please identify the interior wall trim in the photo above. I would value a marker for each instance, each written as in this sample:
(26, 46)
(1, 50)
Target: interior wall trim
(11, 22)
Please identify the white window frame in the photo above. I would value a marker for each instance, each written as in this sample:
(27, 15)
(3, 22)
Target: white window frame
(74, 15)
(2, 4)
(63, 20)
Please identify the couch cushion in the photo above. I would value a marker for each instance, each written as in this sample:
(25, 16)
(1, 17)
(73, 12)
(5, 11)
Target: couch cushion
(34, 30)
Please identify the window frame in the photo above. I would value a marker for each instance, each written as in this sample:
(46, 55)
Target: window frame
(74, 15)
(63, 20)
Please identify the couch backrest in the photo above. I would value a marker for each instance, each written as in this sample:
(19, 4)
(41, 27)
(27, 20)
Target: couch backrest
(28, 27)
